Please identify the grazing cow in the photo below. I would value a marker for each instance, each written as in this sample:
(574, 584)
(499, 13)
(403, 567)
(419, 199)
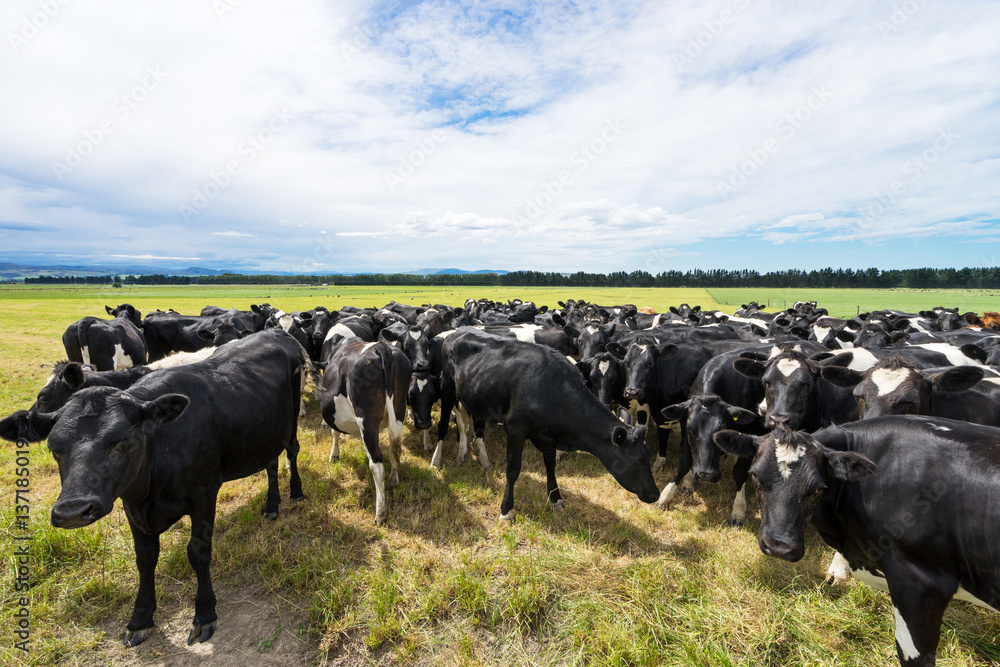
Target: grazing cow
(536, 395)
(364, 388)
(902, 498)
(165, 446)
(895, 386)
(107, 344)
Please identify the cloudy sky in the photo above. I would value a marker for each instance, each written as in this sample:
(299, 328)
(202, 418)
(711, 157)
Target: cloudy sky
(596, 135)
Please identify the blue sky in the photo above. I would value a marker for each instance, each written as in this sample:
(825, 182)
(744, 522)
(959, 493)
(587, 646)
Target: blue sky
(563, 136)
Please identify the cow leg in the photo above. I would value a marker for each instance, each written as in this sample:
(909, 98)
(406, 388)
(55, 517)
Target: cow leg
(294, 481)
(918, 604)
(683, 469)
(199, 551)
(428, 445)
(555, 499)
(741, 473)
(839, 570)
(369, 435)
(515, 447)
(462, 420)
(484, 458)
(395, 452)
(147, 553)
(447, 404)
(663, 439)
(273, 499)
(335, 447)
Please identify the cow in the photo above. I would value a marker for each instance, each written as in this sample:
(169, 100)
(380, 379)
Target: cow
(166, 332)
(536, 395)
(901, 497)
(253, 319)
(604, 374)
(107, 344)
(364, 387)
(593, 338)
(165, 445)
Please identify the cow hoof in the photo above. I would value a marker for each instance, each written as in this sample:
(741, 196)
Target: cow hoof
(659, 463)
(509, 517)
(201, 633)
(333, 459)
(296, 500)
(663, 506)
(487, 467)
(136, 637)
(272, 516)
(559, 505)
(735, 523)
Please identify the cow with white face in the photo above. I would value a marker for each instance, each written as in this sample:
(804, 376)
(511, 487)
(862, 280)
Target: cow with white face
(901, 497)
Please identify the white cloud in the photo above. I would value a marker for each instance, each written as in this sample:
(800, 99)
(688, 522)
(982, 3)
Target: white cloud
(233, 233)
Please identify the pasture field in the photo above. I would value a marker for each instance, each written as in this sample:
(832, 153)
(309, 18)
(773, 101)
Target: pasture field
(609, 581)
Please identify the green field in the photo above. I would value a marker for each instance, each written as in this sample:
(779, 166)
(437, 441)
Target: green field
(607, 582)
(848, 302)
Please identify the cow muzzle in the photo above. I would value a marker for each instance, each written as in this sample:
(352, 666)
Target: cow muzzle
(76, 513)
(712, 476)
(791, 551)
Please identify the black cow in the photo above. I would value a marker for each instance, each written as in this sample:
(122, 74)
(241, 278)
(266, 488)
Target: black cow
(536, 395)
(107, 344)
(593, 338)
(166, 332)
(364, 387)
(166, 445)
(902, 498)
(252, 320)
(605, 377)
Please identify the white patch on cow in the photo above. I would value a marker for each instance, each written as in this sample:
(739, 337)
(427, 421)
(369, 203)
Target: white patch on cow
(286, 321)
(762, 408)
(787, 455)
(603, 367)
(508, 517)
(591, 329)
(965, 595)
(421, 384)
(667, 496)
(415, 335)
(526, 332)
(839, 570)
(994, 380)
(954, 355)
(938, 427)
(182, 358)
(368, 346)
(862, 360)
(484, 459)
(395, 426)
(888, 380)
(335, 447)
(688, 482)
(85, 353)
(446, 333)
(438, 455)
(339, 329)
(121, 360)
(906, 646)
(378, 475)
(821, 332)
(789, 366)
(345, 417)
(739, 513)
(463, 422)
(879, 583)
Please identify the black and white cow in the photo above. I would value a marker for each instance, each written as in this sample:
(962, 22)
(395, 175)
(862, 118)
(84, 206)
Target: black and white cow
(364, 387)
(536, 395)
(605, 376)
(902, 498)
(165, 446)
(166, 332)
(593, 337)
(107, 344)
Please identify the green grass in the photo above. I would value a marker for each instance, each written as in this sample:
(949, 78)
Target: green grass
(607, 582)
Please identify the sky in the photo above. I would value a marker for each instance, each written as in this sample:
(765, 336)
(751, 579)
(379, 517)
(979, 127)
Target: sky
(554, 136)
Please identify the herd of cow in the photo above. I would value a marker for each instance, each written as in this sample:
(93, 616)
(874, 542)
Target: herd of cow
(882, 430)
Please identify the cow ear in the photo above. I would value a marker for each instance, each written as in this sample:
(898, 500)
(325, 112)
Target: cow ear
(609, 329)
(543, 309)
(110, 310)
(619, 436)
(822, 356)
(254, 308)
(676, 412)
(750, 354)
(749, 367)
(668, 350)
(164, 409)
(307, 324)
(389, 335)
(561, 304)
(852, 324)
(899, 337)
(845, 336)
(959, 378)
(841, 376)
(696, 309)
(847, 465)
(901, 324)
(631, 323)
(736, 443)
(741, 416)
(73, 375)
(584, 367)
(625, 416)
(799, 332)
(205, 334)
(842, 359)
(28, 426)
(616, 350)
(448, 316)
(974, 352)
(571, 331)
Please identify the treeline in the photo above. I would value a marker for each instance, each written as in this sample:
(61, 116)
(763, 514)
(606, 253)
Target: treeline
(924, 278)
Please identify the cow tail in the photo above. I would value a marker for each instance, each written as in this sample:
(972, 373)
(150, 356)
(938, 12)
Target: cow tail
(82, 333)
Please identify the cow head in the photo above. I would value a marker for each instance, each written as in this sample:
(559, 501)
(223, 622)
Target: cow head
(226, 332)
(100, 442)
(791, 472)
(628, 459)
(789, 388)
(640, 364)
(421, 396)
(67, 377)
(605, 376)
(126, 311)
(413, 341)
(593, 338)
(895, 386)
(704, 416)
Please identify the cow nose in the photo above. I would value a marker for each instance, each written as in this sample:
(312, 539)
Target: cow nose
(631, 393)
(781, 549)
(74, 513)
(422, 367)
(712, 476)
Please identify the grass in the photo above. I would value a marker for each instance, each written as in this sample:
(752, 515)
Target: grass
(610, 581)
